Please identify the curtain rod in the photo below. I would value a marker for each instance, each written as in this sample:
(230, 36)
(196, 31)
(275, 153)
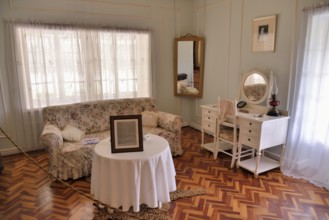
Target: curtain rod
(70, 25)
(317, 5)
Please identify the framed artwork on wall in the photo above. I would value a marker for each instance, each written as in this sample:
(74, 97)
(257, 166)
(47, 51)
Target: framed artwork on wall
(126, 133)
(263, 34)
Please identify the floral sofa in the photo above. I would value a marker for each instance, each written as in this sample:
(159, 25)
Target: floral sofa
(73, 158)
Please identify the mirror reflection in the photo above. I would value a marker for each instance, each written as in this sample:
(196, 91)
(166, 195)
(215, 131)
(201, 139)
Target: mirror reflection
(188, 72)
(255, 87)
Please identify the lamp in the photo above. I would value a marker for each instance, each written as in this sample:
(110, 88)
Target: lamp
(273, 100)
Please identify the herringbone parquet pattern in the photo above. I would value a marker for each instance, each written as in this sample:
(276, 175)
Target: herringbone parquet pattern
(26, 192)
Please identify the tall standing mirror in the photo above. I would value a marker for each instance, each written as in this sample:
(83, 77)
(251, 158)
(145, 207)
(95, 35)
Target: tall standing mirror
(188, 66)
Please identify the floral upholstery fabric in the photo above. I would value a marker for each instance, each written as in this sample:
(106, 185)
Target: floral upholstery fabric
(74, 159)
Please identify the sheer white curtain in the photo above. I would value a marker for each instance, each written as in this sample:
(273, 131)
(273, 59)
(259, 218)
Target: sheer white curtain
(307, 151)
(53, 64)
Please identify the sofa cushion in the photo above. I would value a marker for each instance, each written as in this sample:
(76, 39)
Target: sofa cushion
(149, 119)
(56, 115)
(88, 117)
(76, 146)
(71, 133)
(94, 116)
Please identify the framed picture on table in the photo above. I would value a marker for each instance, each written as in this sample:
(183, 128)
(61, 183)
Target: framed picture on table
(263, 34)
(126, 133)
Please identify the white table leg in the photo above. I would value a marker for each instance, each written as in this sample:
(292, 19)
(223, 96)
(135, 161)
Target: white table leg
(239, 155)
(259, 153)
(282, 154)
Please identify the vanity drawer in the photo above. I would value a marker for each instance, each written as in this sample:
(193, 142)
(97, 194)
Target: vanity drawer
(252, 141)
(209, 114)
(209, 126)
(250, 131)
(250, 125)
(209, 118)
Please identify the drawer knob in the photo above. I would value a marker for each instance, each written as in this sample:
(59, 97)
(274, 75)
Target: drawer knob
(208, 126)
(250, 123)
(208, 117)
(208, 111)
(248, 139)
(249, 131)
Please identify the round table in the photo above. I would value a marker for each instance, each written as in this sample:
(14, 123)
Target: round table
(133, 178)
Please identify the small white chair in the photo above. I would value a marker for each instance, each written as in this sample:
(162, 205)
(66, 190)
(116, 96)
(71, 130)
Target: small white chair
(228, 131)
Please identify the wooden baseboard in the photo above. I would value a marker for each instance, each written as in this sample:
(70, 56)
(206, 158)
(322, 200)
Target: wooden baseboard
(9, 151)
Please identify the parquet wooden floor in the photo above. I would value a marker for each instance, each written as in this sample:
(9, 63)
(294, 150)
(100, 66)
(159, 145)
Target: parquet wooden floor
(26, 192)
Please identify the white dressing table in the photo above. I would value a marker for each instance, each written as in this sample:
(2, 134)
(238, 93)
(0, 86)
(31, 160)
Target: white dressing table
(261, 133)
(257, 130)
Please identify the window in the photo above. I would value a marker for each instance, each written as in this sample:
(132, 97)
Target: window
(314, 82)
(63, 65)
(307, 151)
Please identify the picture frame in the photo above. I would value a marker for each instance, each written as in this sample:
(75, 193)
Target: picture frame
(263, 34)
(126, 133)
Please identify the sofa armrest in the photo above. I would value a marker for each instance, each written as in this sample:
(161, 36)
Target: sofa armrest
(169, 121)
(51, 138)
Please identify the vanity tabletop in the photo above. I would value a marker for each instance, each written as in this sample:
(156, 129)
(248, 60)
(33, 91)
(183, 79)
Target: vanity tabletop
(260, 117)
(248, 113)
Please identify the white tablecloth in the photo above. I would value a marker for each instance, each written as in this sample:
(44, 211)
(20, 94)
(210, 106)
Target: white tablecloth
(130, 179)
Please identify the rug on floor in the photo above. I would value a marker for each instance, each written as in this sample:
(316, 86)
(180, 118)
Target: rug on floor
(146, 212)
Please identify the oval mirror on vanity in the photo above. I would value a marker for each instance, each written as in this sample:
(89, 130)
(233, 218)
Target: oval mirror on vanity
(254, 87)
(188, 66)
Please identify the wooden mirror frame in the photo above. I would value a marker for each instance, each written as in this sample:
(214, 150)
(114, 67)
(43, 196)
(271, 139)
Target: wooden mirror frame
(242, 91)
(191, 91)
